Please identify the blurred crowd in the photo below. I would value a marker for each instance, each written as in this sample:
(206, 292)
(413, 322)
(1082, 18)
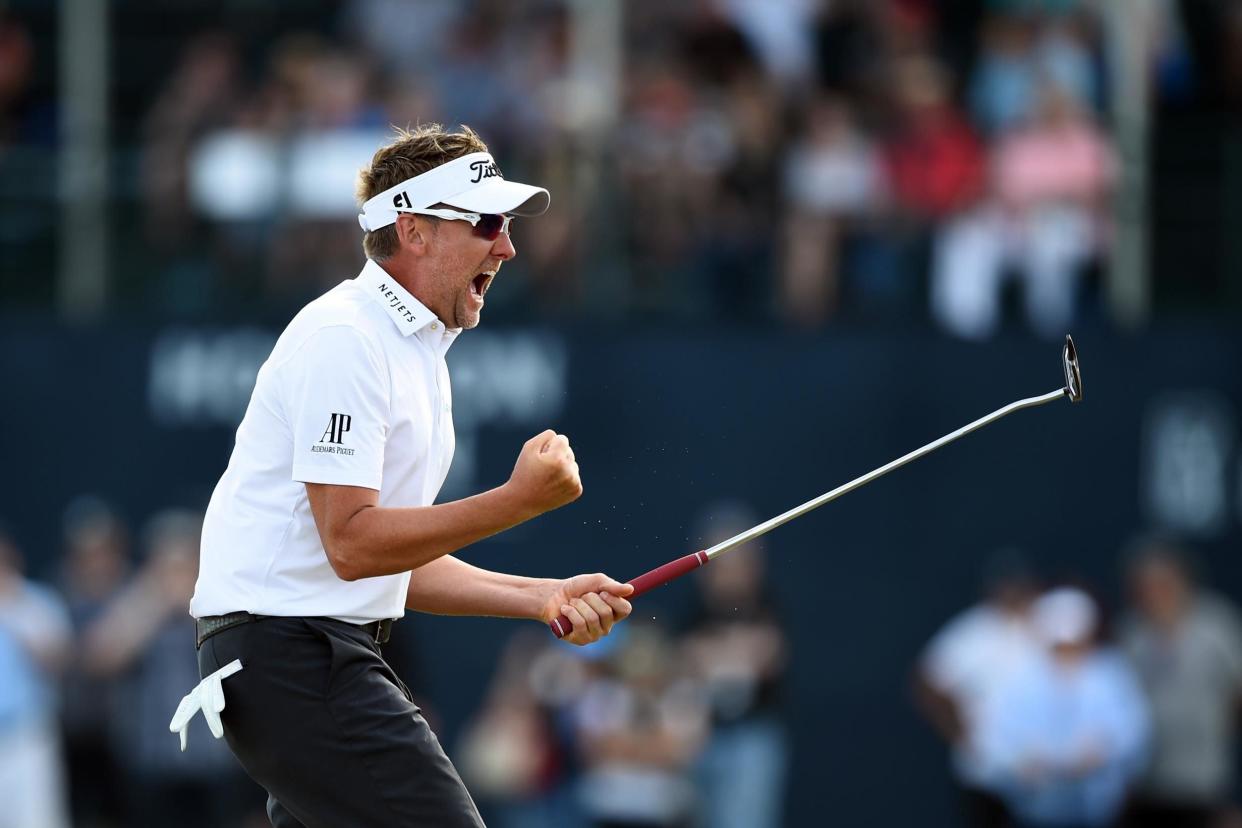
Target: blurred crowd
(802, 162)
(1057, 717)
(657, 726)
(92, 665)
(760, 161)
(647, 728)
(1058, 714)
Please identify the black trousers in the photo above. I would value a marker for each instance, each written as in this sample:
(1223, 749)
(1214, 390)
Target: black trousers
(1149, 813)
(317, 717)
(984, 809)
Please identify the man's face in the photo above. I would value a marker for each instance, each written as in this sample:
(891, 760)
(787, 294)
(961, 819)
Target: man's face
(463, 266)
(1160, 591)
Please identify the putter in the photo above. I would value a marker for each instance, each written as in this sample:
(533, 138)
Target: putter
(661, 575)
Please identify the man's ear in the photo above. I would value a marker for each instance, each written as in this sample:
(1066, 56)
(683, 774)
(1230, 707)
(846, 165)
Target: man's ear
(411, 232)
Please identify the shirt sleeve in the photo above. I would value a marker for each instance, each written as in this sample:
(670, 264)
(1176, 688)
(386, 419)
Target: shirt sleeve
(1228, 629)
(338, 395)
(943, 661)
(38, 619)
(1124, 716)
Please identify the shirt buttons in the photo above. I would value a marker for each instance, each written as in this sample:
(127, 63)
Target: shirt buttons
(435, 326)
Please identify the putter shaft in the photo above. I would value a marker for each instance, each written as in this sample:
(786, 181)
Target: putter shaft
(768, 525)
(561, 625)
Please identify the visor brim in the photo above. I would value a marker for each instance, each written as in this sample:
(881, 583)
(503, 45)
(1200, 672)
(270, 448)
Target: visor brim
(500, 196)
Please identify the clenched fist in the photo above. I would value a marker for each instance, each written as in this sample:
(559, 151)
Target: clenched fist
(545, 476)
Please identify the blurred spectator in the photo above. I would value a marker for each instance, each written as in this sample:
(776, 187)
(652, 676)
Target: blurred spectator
(1186, 644)
(1050, 181)
(1020, 55)
(714, 49)
(270, 165)
(1173, 62)
(93, 570)
(935, 161)
(200, 94)
(640, 725)
(696, 151)
(404, 40)
(935, 170)
(327, 118)
(34, 645)
(145, 638)
(511, 756)
(850, 48)
(16, 67)
(737, 649)
(832, 181)
(675, 148)
(780, 33)
(734, 254)
(1002, 88)
(963, 668)
(1068, 59)
(469, 85)
(1066, 736)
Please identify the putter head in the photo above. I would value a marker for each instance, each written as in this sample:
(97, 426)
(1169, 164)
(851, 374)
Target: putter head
(1073, 374)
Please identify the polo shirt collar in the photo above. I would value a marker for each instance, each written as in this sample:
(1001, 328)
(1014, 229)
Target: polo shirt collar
(407, 313)
(438, 336)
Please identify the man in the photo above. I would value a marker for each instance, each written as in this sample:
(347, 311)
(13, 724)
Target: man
(322, 528)
(1064, 739)
(1185, 642)
(138, 642)
(964, 666)
(735, 644)
(35, 642)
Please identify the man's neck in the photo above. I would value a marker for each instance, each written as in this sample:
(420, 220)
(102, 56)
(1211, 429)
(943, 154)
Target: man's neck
(401, 275)
(405, 274)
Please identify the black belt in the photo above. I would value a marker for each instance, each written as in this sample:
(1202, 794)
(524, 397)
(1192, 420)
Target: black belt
(209, 625)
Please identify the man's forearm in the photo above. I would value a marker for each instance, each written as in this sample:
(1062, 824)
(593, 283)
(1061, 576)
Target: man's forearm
(379, 540)
(448, 586)
(363, 539)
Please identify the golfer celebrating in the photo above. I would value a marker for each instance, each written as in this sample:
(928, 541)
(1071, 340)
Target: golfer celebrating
(322, 530)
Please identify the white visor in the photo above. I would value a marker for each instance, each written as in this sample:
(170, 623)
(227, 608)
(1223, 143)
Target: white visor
(472, 182)
(1065, 616)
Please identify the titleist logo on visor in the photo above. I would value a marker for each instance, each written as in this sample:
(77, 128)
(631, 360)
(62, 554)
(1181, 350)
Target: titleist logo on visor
(484, 169)
(481, 169)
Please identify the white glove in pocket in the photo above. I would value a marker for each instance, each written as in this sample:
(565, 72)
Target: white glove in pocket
(208, 697)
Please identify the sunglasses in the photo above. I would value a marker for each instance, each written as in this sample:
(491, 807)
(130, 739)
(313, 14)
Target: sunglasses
(487, 226)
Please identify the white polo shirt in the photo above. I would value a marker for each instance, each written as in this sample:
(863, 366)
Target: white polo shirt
(355, 393)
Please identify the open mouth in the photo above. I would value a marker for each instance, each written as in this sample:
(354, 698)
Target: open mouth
(479, 284)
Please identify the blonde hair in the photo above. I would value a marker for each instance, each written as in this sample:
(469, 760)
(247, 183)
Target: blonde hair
(412, 152)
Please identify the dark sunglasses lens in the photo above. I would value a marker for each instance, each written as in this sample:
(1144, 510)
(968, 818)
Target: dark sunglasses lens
(489, 226)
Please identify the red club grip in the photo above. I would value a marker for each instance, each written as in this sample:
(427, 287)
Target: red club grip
(646, 582)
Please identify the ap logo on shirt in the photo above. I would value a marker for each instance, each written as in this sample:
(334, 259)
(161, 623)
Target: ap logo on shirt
(338, 424)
